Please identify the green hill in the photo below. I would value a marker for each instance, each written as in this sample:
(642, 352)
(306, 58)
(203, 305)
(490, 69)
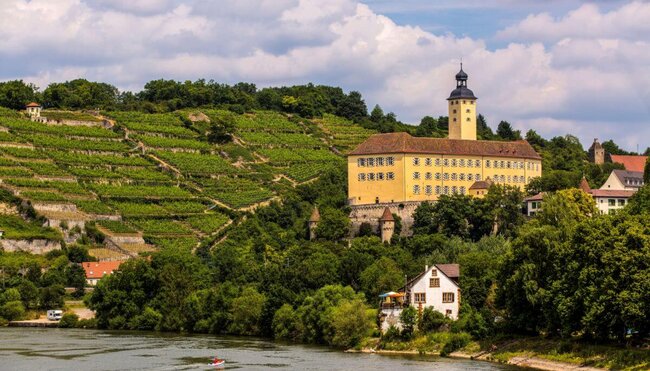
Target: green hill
(159, 176)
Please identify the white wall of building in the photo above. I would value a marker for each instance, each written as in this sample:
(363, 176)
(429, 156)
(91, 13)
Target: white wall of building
(434, 295)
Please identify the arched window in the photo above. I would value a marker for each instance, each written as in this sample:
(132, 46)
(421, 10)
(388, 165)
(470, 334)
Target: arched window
(445, 190)
(470, 177)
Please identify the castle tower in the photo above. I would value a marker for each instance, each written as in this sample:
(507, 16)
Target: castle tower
(597, 153)
(313, 223)
(34, 110)
(387, 225)
(462, 109)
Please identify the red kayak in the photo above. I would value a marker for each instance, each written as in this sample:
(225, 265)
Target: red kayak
(217, 363)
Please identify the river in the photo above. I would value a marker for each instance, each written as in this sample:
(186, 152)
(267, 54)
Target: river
(72, 349)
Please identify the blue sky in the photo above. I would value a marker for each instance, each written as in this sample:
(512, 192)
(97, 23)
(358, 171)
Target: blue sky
(557, 66)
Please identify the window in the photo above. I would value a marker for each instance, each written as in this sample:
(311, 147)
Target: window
(416, 189)
(462, 190)
(416, 161)
(434, 282)
(434, 273)
(509, 179)
(470, 177)
(445, 162)
(621, 202)
(454, 163)
(428, 189)
(390, 161)
(416, 175)
(437, 190)
(379, 161)
(437, 176)
(380, 176)
(470, 163)
(454, 119)
(454, 176)
(467, 110)
(371, 176)
(427, 161)
(508, 164)
(370, 161)
(390, 175)
(445, 190)
(477, 177)
(362, 177)
(437, 162)
(468, 119)
(448, 313)
(612, 202)
(487, 163)
(464, 102)
(445, 176)
(419, 298)
(478, 163)
(447, 297)
(461, 176)
(454, 189)
(427, 176)
(361, 162)
(461, 163)
(454, 111)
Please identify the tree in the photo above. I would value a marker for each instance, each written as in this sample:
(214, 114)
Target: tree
(431, 320)
(482, 129)
(428, 126)
(351, 323)
(246, 312)
(613, 148)
(285, 324)
(506, 132)
(381, 276)
(334, 225)
(646, 171)
(221, 130)
(366, 229)
(52, 296)
(408, 318)
(16, 94)
(76, 277)
(377, 114)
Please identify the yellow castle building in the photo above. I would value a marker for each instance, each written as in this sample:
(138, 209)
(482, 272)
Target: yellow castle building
(398, 169)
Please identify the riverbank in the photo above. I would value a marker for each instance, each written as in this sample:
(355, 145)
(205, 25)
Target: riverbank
(536, 353)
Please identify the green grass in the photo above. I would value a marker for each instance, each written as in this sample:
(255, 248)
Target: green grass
(207, 223)
(131, 209)
(184, 207)
(197, 164)
(116, 226)
(162, 227)
(144, 192)
(69, 115)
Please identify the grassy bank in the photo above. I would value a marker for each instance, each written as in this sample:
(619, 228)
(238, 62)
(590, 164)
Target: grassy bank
(572, 352)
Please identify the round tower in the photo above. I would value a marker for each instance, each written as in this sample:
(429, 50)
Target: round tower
(387, 225)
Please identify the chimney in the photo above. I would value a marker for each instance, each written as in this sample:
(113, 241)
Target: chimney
(426, 267)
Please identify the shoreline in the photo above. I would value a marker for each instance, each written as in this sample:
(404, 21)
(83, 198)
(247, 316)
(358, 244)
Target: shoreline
(526, 362)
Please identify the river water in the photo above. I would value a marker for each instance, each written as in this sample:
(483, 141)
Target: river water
(72, 349)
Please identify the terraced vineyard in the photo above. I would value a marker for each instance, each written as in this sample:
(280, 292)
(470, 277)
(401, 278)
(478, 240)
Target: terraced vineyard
(157, 175)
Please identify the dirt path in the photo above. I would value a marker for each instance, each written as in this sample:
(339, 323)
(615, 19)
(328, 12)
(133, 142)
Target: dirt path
(544, 364)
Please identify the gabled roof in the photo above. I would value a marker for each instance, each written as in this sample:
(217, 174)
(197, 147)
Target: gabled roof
(387, 216)
(623, 175)
(315, 215)
(631, 162)
(405, 143)
(450, 270)
(537, 197)
(99, 269)
(481, 184)
(33, 104)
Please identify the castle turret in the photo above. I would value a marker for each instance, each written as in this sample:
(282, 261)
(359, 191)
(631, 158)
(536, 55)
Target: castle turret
(313, 223)
(387, 225)
(597, 153)
(584, 185)
(462, 109)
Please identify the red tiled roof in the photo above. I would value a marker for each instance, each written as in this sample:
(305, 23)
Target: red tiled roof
(584, 185)
(387, 216)
(481, 184)
(33, 104)
(405, 143)
(611, 193)
(99, 269)
(631, 163)
(315, 215)
(450, 270)
(537, 197)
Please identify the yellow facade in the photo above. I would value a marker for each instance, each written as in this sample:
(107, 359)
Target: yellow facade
(462, 119)
(424, 177)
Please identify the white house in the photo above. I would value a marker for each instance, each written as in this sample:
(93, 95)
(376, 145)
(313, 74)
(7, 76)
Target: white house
(623, 180)
(609, 201)
(96, 270)
(436, 287)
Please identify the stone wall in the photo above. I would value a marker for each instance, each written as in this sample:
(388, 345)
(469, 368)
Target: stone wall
(55, 207)
(372, 212)
(33, 246)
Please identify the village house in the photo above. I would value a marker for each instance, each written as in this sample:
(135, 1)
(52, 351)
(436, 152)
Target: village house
(399, 171)
(96, 270)
(437, 287)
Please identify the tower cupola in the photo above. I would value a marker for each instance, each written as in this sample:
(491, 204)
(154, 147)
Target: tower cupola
(462, 109)
(461, 90)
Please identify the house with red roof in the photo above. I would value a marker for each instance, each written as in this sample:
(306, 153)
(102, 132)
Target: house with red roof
(96, 270)
(631, 162)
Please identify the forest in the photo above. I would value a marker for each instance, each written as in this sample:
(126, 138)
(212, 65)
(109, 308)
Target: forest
(568, 272)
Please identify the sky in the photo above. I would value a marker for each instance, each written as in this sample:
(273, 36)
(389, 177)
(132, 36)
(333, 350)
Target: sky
(556, 66)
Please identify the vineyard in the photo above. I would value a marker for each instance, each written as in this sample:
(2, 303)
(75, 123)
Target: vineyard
(156, 175)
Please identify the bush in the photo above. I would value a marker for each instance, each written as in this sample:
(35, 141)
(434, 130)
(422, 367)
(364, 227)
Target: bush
(87, 323)
(471, 321)
(392, 334)
(12, 310)
(455, 342)
(117, 323)
(408, 317)
(148, 320)
(431, 320)
(285, 324)
(69, 320)
(350, 322)
(366, 230)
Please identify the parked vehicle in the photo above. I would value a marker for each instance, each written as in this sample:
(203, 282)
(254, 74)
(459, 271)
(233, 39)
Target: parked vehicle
(54, 314)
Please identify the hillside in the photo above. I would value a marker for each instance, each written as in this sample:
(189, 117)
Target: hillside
(150, 180)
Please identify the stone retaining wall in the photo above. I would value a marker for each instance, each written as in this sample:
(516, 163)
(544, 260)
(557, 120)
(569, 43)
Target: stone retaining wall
(33, 246)
(371, 213)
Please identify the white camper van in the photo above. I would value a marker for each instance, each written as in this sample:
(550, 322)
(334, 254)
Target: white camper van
(54, 314)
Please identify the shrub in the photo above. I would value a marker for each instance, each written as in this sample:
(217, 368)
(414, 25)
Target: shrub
(87, 323)
(431, 320)
(69, 320)
(408, 317)
(391, 334)
(117, 323)
(455, 342)
(12, 310)
(350, 322)
(148, 320)
(285, 324)
(366, 229)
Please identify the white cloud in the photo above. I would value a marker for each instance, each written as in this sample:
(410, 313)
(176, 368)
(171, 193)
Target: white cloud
(585, 72)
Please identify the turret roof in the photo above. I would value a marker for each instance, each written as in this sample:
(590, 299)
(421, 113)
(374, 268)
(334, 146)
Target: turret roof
(387, 216)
